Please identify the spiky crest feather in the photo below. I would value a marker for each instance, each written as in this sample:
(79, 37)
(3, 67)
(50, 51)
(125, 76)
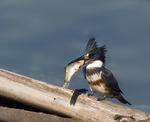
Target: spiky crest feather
(91, 46)
(102, 50)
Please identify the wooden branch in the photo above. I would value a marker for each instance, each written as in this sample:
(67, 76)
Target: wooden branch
(72, 103)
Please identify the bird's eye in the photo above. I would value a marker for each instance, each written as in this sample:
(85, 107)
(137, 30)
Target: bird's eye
(91, 55)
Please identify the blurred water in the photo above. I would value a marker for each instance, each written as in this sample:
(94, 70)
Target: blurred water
(38, 38)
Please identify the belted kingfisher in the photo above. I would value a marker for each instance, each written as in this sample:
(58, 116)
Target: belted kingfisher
(100, 79)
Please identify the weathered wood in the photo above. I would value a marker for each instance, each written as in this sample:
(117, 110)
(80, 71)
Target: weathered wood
(64, 101)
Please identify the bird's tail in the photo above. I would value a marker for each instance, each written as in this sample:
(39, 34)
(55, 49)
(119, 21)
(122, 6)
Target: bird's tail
(121, 99)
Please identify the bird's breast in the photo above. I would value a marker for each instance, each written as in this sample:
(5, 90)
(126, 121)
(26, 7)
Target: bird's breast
(97, 84)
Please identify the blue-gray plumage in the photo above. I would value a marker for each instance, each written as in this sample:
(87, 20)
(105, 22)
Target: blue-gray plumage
(110, 81)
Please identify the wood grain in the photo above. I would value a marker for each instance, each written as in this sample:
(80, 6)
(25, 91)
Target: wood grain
(61, 101)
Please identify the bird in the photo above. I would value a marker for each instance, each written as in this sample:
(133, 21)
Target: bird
(100, 79)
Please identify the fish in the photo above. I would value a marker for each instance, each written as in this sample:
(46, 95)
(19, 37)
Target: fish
(71, 69)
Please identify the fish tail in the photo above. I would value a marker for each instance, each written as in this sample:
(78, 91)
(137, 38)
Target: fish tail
(66, 85)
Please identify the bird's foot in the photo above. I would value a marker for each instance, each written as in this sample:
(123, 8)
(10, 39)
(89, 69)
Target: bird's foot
(102, 98)
(99, 99)
(90, 94)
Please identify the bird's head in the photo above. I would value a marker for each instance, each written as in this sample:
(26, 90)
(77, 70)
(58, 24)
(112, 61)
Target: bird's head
(93, 52)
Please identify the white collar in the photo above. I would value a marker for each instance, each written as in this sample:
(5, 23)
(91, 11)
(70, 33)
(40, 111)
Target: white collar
(96, 63)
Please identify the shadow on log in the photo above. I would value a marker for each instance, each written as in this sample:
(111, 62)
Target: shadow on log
(64, 102)
(76, 94)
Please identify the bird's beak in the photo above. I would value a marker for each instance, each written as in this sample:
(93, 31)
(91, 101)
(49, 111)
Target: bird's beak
(78, 59)
(84, 58)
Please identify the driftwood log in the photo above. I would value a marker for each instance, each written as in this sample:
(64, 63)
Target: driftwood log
(66, 102)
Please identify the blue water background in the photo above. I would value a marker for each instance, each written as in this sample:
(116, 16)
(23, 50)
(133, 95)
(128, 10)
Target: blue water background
(38, 38)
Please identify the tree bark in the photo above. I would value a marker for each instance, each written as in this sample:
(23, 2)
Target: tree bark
(66, 102)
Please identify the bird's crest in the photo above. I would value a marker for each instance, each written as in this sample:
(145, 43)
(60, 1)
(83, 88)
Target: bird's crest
(91, 46)
(102, 50)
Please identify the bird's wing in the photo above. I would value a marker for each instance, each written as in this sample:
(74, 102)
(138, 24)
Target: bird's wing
(110, 80)
(84, 72)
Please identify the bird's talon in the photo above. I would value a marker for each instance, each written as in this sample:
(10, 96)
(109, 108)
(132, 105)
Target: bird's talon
(99, 99)
(90, 94)
(104, 97)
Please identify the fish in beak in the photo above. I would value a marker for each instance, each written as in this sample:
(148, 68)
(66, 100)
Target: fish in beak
(71, 69)
(75, 65)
